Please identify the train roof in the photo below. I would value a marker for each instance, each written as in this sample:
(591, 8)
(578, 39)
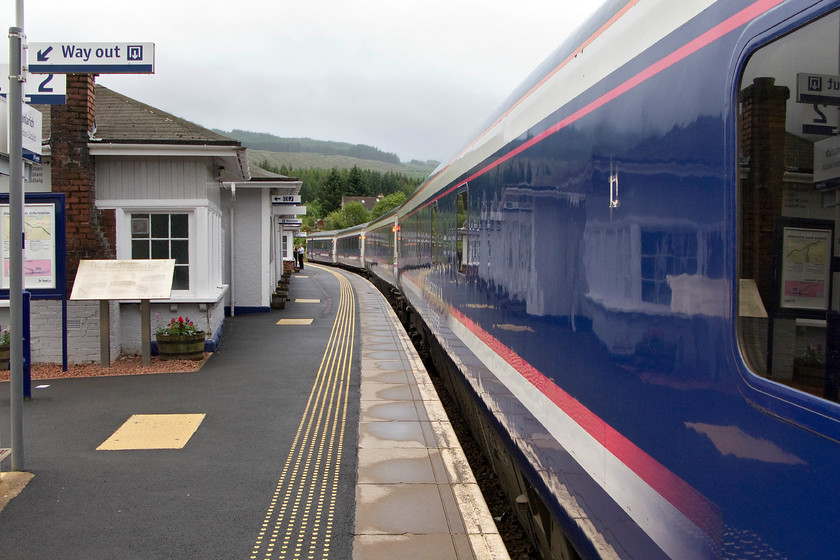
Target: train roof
(389, 216)
(517, 112)
(329, 233)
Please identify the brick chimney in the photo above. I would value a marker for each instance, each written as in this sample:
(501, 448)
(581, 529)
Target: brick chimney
(763, 136)
(91, 233)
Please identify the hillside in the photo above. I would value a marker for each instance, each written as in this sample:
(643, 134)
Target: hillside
(415, 170)
(305, 153)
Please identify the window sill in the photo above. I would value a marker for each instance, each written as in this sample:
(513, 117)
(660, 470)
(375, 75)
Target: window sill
(214, 296)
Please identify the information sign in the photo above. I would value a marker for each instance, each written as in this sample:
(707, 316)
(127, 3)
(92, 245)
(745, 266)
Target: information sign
(39, 267)
(827, 162)
(44, 245)
(92, 58)
(286, 199)
(30, 131)
(30, 124)
(818, 88)
(123, 279)
(44, 89)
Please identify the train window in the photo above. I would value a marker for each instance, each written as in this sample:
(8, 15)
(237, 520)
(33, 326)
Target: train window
(461, 238)
(789, 208)
(434, 240)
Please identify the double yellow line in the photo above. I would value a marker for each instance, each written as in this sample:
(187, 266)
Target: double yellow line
(299, 520)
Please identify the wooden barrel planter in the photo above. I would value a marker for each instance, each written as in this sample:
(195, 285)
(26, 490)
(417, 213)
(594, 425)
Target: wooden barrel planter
(181, 346)
(278, 300)
(4, 356)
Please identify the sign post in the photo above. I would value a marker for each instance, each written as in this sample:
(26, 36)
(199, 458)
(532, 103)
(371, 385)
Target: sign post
(16, 243)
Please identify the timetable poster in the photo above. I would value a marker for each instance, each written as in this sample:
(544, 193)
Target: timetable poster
(806, 266)
(39, 253)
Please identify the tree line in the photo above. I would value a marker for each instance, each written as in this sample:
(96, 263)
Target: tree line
(322, 190)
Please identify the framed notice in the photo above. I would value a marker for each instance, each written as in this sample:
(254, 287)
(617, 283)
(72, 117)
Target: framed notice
(44, 245)
(804, 254)
(126, 279)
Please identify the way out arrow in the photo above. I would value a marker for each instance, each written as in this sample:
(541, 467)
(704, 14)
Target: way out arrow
(43, 56)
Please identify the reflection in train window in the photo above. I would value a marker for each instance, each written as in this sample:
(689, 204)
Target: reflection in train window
(435, 239)
(461, 237)
(788, 208)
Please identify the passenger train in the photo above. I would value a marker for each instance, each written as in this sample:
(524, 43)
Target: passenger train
(627, 280)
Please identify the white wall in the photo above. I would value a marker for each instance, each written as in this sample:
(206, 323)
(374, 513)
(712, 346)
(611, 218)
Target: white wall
(251, 250)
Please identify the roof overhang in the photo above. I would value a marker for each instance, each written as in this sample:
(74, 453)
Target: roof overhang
(157, 150)
(233, 158)
(285, 187)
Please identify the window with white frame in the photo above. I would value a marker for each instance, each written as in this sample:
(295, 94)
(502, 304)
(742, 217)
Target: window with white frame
(163, 236)
(192, 235)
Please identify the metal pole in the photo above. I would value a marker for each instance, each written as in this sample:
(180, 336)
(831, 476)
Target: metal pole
(16, 243)
(146, 332)
(104, 333)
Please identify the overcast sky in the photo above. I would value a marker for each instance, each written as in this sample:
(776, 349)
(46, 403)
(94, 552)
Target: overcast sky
(414, 77)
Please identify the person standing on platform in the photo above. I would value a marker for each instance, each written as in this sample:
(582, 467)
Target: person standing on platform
(300, 257)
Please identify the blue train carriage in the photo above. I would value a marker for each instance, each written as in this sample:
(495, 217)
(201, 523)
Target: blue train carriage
(350, 247)
(320, 247)
(380, 257)
(628, 278)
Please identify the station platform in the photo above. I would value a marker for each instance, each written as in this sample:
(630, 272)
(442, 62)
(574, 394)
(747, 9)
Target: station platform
(313, 432)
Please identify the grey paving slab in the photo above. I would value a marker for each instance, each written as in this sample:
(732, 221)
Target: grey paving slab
(416, 496)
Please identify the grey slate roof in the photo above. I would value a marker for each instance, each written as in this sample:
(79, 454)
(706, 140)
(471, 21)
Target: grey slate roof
(260, 174)
(123, 120)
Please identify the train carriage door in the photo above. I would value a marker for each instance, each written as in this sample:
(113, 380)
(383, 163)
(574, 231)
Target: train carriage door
(789, 208)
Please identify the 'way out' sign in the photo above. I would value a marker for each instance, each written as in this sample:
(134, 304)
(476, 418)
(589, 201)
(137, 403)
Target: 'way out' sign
(92, 58)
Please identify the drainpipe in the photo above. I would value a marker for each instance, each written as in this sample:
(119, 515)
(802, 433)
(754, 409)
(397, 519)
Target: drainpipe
(232, 248)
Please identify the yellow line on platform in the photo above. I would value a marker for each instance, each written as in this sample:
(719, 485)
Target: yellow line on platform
(303, 503)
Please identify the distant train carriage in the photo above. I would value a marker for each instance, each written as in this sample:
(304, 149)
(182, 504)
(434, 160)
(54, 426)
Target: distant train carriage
(350, 247)
(320, 247)
(380, 248)
(628, 283)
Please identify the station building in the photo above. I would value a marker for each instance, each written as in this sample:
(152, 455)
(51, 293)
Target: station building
(141, 183)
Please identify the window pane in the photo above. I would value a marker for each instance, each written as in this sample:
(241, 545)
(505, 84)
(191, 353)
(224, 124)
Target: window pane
(140, 249)
(180, 251)
(140, 226)
(461, 236)
(181, 278)
(160, 226)
(160, 249)
(179, 226)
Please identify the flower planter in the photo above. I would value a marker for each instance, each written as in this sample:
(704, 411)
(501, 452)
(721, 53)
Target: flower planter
(278, 300)
(4, 356)
(181, 346)
(812, 374)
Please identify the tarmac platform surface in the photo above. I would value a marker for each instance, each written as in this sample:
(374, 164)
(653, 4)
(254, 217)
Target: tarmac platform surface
(313, 432)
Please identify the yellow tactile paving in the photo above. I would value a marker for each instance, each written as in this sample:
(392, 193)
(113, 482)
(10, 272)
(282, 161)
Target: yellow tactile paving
(11, 484)
(299, 520)
(153, 431)
(295, 321)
